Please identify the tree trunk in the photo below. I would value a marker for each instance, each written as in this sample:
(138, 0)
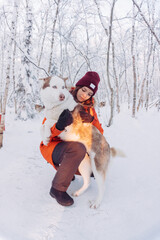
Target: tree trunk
(26, 83)
(43, 40)
(134, 66)
(7, 83)
(134, 87)
(108, 60)
(5, 97)
(125, 74)
(116, 79)
(53, 36)
(1, 134)
(14, 27)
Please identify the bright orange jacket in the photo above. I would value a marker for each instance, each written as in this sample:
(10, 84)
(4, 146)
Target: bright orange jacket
(47, 151)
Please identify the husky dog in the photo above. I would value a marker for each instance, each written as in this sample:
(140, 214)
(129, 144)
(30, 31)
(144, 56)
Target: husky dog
(57, 98)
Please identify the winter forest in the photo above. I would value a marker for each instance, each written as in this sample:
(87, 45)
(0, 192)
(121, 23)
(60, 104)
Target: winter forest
(67, 38)
(120, 40)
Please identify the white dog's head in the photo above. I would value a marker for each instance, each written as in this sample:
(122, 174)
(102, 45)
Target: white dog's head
(53, 93)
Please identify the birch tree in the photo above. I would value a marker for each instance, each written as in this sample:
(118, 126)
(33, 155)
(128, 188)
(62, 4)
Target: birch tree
(108, 33)
(51, 64)
(25, 85)
(116, 79)
(134, 65)
(14, 25)
(40, 53)
(108, 60)
(7, 79)
(146, 75)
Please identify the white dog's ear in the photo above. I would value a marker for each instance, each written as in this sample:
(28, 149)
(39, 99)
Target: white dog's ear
(45, 82)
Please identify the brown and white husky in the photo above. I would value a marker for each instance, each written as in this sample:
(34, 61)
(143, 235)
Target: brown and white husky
(56, 98)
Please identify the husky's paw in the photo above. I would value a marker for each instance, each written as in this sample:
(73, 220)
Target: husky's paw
(94, 204)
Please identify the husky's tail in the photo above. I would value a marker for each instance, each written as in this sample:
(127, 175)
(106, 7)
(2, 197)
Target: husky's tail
(115, 152)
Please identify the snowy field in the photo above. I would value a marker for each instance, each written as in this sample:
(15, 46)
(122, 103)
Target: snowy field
(131, 206)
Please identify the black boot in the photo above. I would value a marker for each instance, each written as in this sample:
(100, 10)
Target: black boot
(61, 197)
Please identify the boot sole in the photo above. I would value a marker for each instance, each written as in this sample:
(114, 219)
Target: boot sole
(63, 204)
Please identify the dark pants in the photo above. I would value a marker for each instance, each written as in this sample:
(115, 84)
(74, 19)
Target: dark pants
(68, 155)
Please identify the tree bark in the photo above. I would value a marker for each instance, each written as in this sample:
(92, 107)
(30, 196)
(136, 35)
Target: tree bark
(53, 36)
(5, 97)
(116, 79)
(108, 60)
(134, 66)
(14, 27)
(7, 83)
(145, 80)
(43, 40)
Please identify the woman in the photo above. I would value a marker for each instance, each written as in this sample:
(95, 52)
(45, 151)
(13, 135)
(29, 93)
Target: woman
(67, 156)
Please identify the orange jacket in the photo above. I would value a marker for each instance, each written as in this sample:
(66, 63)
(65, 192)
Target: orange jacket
(47, 151)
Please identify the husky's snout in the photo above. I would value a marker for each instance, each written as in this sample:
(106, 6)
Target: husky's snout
(61, 97)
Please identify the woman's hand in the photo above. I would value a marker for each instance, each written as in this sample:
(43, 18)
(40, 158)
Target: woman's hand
(86, 117)
(65, 119)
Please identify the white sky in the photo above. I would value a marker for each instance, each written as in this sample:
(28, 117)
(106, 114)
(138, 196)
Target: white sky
(123, 6)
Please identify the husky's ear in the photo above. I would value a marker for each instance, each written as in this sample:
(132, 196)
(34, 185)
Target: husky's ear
(45, 82)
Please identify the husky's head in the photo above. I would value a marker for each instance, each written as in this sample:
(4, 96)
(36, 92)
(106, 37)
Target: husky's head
(53, 92)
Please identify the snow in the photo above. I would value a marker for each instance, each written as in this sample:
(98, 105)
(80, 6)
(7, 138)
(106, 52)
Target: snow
(130, 209)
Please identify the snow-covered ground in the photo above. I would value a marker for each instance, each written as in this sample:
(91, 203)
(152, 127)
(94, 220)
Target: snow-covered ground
(131, 206)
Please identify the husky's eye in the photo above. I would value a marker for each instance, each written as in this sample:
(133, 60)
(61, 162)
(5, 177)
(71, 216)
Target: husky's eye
(54, 86)
(63, 87)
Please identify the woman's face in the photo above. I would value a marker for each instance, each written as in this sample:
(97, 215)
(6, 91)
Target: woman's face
(84, 94)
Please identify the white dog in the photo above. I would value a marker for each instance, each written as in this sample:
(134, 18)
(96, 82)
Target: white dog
(57, 98)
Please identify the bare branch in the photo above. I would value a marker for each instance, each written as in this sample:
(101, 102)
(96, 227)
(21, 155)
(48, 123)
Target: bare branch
(12, 37)
(150, 28)
(100, 17)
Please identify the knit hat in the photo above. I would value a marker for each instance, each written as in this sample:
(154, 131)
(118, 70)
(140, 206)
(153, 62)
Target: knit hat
(90, 80)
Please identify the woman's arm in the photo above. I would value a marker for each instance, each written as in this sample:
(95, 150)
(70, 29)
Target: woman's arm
(54, 131)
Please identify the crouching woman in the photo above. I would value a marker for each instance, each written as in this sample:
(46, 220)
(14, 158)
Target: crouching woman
(65, 156)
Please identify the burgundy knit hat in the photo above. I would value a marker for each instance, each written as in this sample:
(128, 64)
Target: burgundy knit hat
(90, 80)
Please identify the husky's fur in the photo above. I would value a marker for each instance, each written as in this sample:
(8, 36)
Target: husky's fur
(56, 98)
